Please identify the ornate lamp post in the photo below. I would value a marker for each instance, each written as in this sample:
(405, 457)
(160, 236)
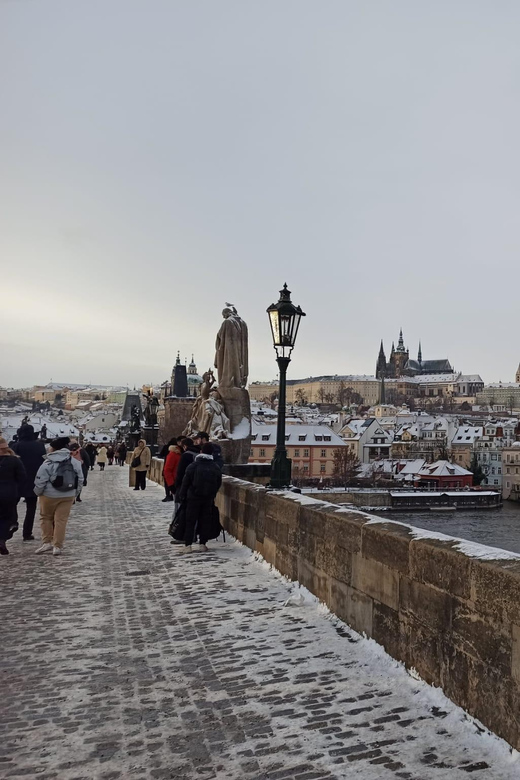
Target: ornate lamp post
(284, 318)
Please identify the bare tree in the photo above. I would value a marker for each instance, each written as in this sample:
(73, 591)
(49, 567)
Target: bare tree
(346, 464)
(301, 398)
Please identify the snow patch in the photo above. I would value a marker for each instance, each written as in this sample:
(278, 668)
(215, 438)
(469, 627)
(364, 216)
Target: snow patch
(242, 430)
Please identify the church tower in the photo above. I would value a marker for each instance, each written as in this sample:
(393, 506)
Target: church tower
(192, 368)
(517, 377)
(401, 356)
(381, 362)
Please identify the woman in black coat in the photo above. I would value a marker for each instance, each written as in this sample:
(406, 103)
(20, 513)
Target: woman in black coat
(200, 485)
(12, 478)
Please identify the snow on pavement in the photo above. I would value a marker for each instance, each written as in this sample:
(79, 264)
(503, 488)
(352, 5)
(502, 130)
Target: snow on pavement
(125, 660)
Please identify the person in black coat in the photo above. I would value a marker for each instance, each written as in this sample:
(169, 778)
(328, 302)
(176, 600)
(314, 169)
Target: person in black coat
(92, 453)
(189, 453)
(12, 479)
(31, 452)
(200, 485)
(121, 454)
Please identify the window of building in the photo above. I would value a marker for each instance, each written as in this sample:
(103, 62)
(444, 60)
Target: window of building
(323, 454)
(265, 436)
(296, 453)
(322, 468)
(262, 453)
(306, 454)
(302, 437)
(493, 457)
(305, 466)
(318, 438)
(327, 438)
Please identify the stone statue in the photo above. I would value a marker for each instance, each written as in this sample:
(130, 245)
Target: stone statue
(208, 412)
(136, 419)
(150, 412)
(231, 356)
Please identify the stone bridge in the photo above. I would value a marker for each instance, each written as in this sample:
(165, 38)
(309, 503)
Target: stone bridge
(124, 659)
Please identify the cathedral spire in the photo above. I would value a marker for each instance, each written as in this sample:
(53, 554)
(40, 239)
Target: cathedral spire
(400, 343)
(381, 361)
(419, 354)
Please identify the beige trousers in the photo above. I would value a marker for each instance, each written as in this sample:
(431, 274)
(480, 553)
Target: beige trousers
(54, 513)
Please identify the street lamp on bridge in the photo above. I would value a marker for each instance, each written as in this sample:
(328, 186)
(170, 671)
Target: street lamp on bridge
(284, 318)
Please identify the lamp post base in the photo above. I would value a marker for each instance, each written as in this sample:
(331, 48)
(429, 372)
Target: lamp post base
(280, 470)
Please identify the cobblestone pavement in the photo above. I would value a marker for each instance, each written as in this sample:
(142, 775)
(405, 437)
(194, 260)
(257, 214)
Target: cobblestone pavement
(122, 659)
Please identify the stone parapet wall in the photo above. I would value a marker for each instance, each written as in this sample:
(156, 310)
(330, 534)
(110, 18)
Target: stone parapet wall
(454, 618)
(154, 472)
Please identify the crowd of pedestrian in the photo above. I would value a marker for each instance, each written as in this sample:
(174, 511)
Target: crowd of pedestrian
(56, 473)
(53, 473)
(192, 476)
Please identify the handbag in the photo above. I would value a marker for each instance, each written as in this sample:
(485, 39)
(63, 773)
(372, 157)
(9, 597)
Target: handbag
(177, 527)
(136, 462)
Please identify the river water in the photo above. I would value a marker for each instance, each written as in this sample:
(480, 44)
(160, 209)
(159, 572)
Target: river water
(494, 527)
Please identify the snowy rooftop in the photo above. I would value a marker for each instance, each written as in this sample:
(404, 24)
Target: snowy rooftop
(297, 434)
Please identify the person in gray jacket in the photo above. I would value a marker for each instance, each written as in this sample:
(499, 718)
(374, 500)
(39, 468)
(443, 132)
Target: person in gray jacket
(56, 499)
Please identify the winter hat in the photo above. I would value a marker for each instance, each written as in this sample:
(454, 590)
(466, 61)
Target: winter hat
(26, 432)
(207, 449)
(60, 443)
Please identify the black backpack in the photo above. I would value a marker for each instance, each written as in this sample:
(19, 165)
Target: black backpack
(205, 480)
(65, 477)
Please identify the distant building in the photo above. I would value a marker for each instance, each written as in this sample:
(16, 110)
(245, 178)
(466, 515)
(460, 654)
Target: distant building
(367, 439)
(333, 389)
(400, 363)
(511, 472)
(311, 447)
(501, 396)
(443, 475)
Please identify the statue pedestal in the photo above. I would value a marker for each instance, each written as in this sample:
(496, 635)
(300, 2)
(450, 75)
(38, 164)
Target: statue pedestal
(236, 448)
(177, 414)
(150, 433)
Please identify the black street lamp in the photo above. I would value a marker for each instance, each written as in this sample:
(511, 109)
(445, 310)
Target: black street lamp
(284, 318)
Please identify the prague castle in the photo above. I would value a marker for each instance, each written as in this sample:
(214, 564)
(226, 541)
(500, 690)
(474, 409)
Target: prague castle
(400, 363)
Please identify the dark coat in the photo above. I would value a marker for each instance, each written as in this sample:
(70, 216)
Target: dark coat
(31, 452)
(206, 470)
(217, 455)
(12, 478)
(85, 462)
(186, 460)
(92, 453)
(200, 485)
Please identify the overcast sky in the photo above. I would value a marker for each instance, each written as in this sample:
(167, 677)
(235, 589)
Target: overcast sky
(159, 158)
